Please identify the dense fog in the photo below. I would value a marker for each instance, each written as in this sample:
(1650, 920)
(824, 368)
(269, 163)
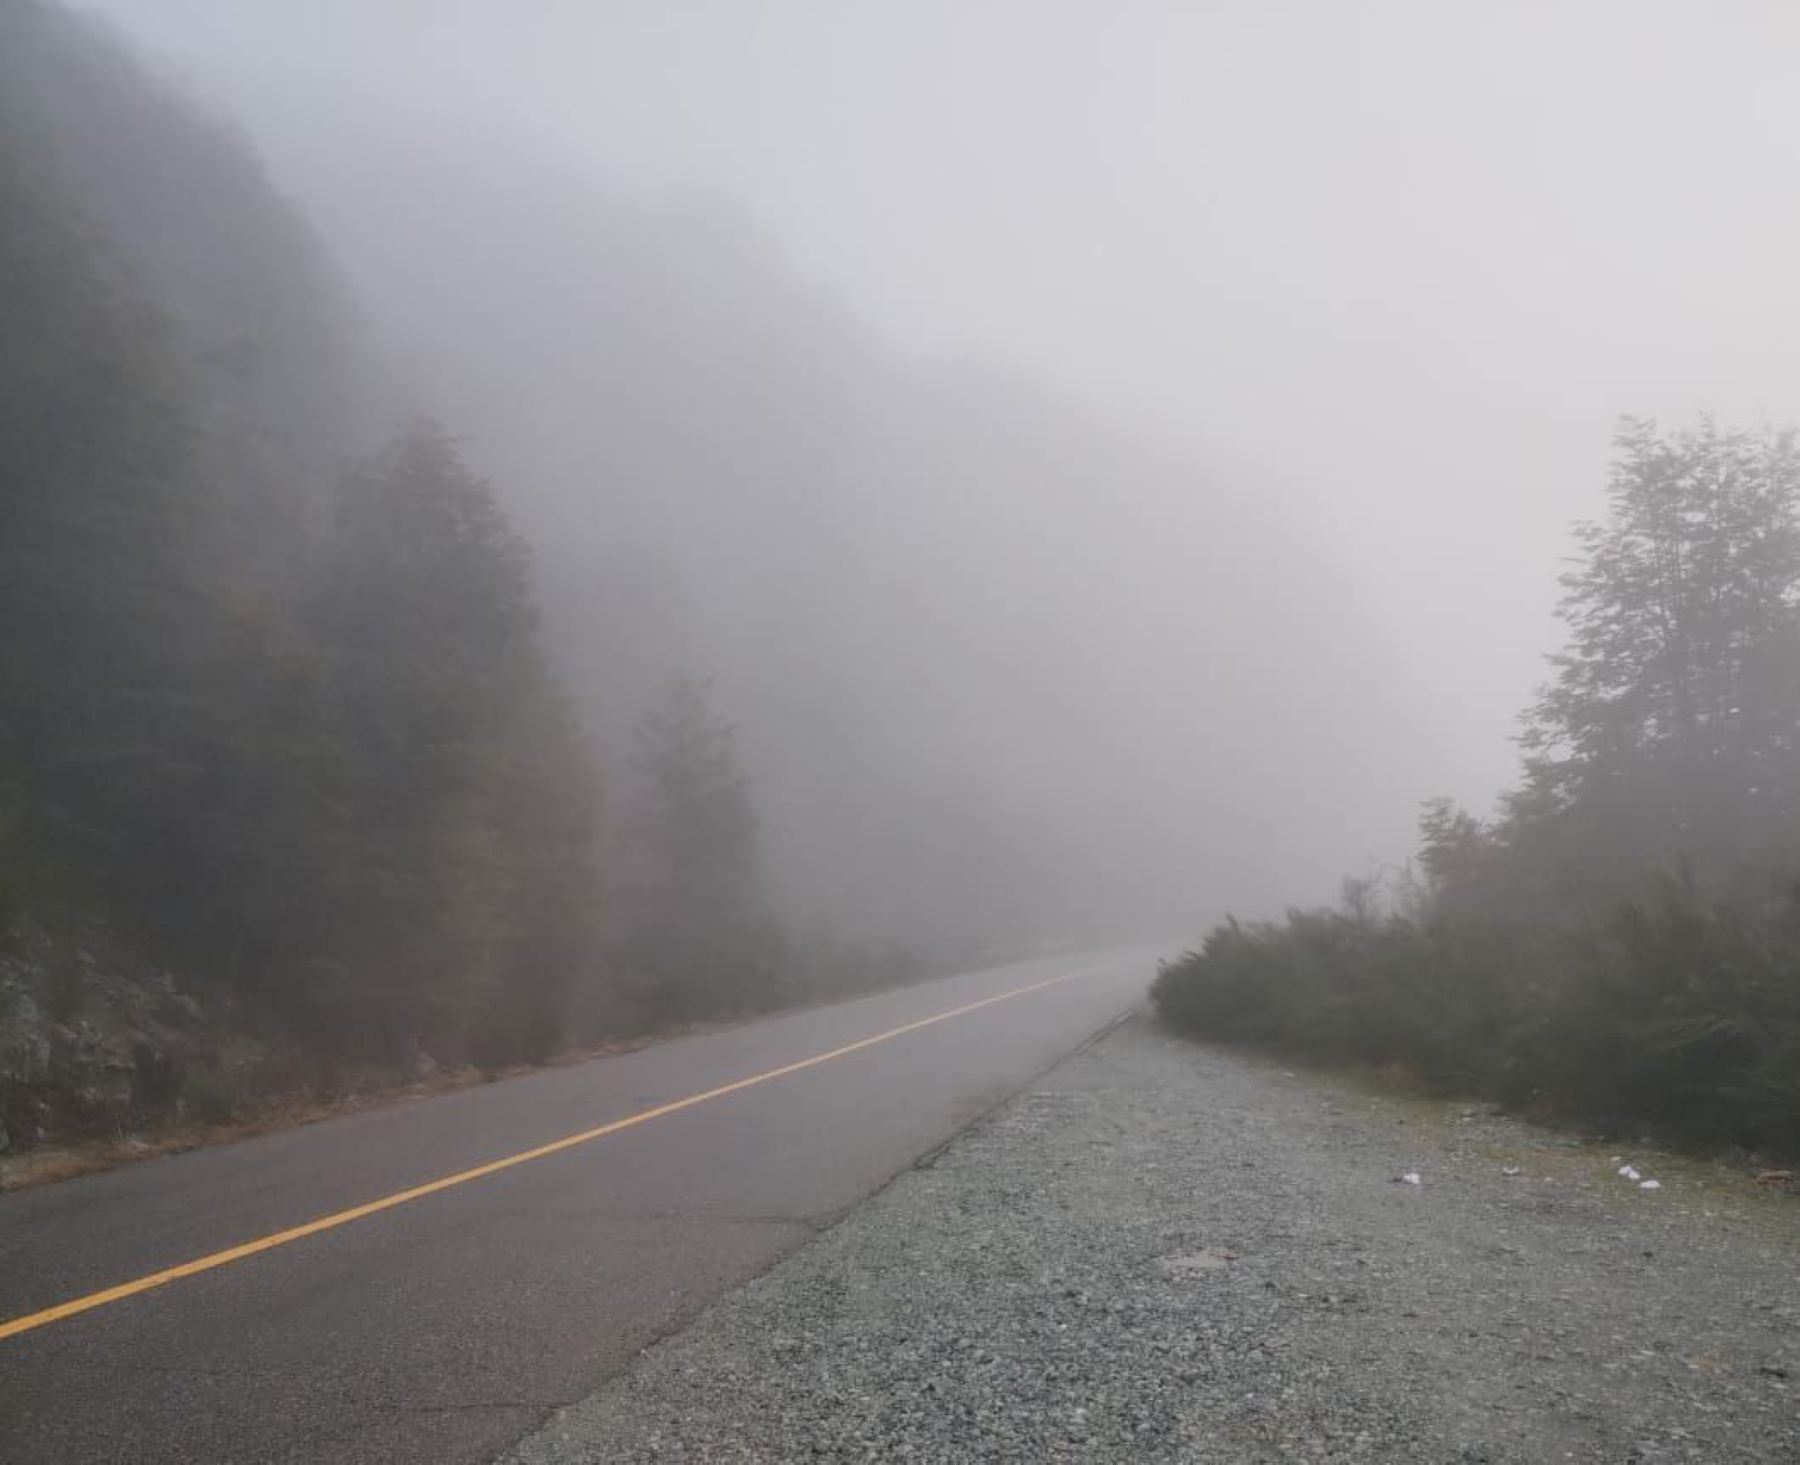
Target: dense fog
(1396, 266)
(995, 660)
(684, 509)
(1005, 662)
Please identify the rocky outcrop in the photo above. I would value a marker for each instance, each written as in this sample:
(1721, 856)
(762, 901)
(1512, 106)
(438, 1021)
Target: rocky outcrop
(91, 1045)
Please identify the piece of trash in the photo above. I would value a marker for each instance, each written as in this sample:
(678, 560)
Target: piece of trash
(1630, 1172)
(1411, 1177)
(1511, 1170)
(1772, 1370)
(1775, 1177)
(1650, 1185)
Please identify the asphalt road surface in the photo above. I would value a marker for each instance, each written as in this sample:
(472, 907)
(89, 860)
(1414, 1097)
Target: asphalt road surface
(445, 1326)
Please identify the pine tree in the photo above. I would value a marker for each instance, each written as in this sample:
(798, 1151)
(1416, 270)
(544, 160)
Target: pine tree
(694, 941)
(466, 870)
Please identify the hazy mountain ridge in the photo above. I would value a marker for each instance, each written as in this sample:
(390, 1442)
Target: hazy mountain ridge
(917, 582)
(999, 674)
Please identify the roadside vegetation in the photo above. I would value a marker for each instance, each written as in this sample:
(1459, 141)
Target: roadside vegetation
(1620, 945)
(291, 800)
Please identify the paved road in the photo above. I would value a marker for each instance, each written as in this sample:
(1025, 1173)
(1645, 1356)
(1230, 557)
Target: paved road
(445, 1328)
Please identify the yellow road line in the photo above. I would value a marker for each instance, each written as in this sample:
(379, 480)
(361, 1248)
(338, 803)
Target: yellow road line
(62, 1310)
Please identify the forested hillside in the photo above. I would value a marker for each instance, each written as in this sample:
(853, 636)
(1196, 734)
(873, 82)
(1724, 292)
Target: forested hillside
(275, 724)
(1002, 667)
(323, 484)
(290, 796)
(1622, 942)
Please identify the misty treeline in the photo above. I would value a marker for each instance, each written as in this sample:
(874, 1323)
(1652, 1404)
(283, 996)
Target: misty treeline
(1621, 943)
(276, 713)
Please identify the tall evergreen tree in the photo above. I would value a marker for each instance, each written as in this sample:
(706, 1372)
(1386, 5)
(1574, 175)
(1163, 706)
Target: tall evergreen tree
(693, 941)
(470, 871)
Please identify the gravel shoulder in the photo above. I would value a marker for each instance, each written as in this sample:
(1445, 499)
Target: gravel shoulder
(1168, 1252)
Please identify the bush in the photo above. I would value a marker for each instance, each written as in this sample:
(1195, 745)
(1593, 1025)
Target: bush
(1673, 1014)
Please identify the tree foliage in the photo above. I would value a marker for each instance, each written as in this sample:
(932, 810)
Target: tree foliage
(275, 712)
(1673, 1014)
(1623, 942)
(465, 809)
(362, 809)
(99, 615)
(696, 939)
(1672, 728)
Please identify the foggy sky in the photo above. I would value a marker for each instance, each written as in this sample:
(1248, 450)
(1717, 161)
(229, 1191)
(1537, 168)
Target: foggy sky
(1395, 265)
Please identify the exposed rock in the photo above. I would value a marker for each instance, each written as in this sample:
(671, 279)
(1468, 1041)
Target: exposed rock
(90, 1041)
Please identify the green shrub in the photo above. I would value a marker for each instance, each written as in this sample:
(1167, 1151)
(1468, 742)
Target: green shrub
(1673, 1014)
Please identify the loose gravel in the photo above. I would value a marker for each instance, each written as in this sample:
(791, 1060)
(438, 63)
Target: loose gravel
(1168, 1252)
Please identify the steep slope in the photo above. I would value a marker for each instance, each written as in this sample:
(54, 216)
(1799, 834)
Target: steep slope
(273, 720)
(268, 342)
(999, 668)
